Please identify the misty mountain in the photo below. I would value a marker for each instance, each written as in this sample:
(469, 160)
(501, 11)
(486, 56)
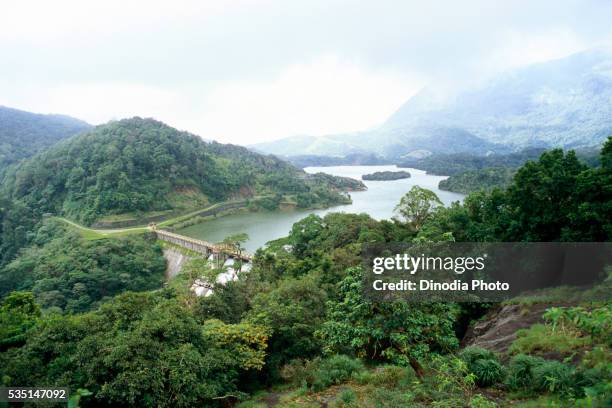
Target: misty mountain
(23, 134)
(560, 103)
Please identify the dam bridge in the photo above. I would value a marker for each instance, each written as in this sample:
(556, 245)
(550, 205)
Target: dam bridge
(203, 247)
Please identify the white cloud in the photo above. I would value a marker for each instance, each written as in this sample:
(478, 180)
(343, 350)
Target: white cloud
(101, 102)
(253, 70)
(75, 20)
(522, 48)
(321, 97)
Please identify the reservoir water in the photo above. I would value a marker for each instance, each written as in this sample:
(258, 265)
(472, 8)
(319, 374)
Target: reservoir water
(378, 201)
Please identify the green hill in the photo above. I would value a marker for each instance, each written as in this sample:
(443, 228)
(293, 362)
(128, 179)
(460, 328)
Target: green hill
(142, 166)
(23, 134)
(475, 180)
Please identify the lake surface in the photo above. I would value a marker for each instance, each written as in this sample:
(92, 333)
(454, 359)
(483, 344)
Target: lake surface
(378, 201)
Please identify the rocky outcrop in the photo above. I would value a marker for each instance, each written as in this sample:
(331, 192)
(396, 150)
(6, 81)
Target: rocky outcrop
(497, 330)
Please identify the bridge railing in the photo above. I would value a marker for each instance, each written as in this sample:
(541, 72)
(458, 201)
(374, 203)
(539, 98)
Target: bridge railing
(215, 248)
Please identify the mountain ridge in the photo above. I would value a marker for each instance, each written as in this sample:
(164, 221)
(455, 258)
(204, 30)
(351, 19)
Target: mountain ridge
(23, 134)
(143, 165)
(558, 103)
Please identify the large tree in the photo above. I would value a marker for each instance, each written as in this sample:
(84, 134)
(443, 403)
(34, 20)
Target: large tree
(417, 205)
(400, 332)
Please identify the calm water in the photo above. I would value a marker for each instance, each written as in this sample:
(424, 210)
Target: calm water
(378, 201)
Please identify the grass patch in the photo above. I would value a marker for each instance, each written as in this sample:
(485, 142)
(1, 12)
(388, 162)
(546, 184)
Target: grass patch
(542, 339)
(133, 216)
(92, 234)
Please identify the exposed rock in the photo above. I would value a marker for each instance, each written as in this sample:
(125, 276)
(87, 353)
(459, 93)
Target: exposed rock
(497, 330)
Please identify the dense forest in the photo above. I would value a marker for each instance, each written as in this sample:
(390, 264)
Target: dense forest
(68, 273)
(23, 134)
(353, 159)
(475, 180)
(387, 175)
(144, 165)
(298, 323)
(138, 166)
(451, 164)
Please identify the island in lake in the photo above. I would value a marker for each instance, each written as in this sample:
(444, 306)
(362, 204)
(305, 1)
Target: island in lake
(386, 175)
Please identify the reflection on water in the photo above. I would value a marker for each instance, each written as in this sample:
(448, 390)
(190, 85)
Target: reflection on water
(378, 201)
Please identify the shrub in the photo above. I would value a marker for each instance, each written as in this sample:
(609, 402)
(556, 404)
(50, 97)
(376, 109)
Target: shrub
(346, 398)
(334, 370)
(599, 395)
(296, 371)
(319, 374)
(392, 376)
(487, 372)
(450, 381)
(520, 375)
(553, 376)
(479, 401)
(483, 364)
(594, 322)
(363, 377)
(473, 353)
(585, 380)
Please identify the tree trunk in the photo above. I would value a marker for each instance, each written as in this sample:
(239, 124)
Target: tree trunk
(417, 367)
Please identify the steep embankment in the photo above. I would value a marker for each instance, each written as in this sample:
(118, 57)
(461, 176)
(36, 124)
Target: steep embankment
(175, 261)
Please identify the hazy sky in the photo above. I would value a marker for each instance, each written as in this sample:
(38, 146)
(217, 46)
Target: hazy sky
(248, 71)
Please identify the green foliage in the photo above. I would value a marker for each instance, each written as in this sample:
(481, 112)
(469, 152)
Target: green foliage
(72, 274)
(320, 373)
(138, 349)
(388, 376)
(334, 370)
(397, 332)
(520, 371)
(550, 376)
(416, 206)
(138, 166)
(293, 311)
(541, 338)
(553, 376)
(483, 364)
(476, 180)
(347, 397)
(555, 198)
(596, 322)
(473, 353)
(449, 382)
(23, 134)
(302, 297)
(479, 401)
(386, 175)
(451, 164)
(488, 372)
(18, 313)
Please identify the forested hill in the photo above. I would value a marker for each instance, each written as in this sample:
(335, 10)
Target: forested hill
(142, 165)
(23, 134)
